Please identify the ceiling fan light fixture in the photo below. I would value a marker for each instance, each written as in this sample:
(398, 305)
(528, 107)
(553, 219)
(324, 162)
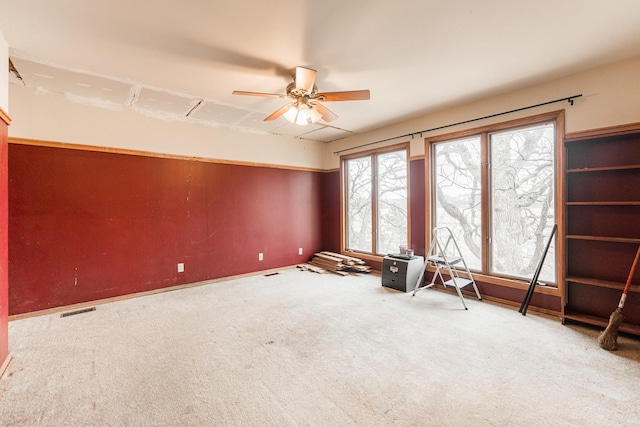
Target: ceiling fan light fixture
(314, 114)
(302, 114)
(291, 113)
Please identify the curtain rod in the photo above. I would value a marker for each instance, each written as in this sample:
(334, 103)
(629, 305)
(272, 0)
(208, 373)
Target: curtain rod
(569, 98)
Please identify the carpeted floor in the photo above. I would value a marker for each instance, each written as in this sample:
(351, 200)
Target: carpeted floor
(299, 348)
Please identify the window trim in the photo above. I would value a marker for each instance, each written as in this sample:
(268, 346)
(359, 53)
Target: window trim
(483, 132)
(343, 206)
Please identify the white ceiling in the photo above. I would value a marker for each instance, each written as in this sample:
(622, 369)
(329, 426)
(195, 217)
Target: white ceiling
(181, 60)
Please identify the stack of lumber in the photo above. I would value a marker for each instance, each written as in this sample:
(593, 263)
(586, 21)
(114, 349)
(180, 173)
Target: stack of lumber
(336, 263)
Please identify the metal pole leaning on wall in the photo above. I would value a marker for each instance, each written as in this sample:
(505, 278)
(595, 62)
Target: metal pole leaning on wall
(569, 99)
(534, 280)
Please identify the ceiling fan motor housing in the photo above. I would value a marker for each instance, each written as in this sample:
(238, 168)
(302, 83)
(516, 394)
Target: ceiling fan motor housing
(296, 93)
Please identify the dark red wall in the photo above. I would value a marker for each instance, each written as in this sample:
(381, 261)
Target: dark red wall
(4, 252)
(86, 225)
(331, 211)
(417, 199)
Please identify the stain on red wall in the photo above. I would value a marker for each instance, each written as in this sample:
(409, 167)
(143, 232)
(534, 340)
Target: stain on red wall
(87, 225)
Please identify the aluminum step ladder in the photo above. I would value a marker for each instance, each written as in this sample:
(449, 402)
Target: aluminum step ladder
(444, 254)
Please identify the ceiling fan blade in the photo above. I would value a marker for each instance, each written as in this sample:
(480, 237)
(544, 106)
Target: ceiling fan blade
(267, 95)
(280, 111)
(327, 115)
(352, 95)
(305, 78)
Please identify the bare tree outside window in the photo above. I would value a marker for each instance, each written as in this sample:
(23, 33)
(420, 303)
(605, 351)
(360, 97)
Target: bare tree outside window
(458, 195)
(520, 198)
(392, 201)
(359, 200)
(376, 202)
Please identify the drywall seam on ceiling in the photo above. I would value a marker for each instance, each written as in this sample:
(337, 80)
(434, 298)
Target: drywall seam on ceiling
(94, 102)
(134, 93)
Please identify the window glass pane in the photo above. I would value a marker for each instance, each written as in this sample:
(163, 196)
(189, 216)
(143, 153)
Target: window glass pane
(359, 228)
(457, 187)
(522, 201)
(392, 201)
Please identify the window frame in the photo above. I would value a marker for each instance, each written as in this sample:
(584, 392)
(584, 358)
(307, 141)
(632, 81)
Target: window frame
(372, 154)
(483, 132)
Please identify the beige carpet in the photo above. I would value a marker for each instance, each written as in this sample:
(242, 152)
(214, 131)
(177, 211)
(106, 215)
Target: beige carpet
(300, 348)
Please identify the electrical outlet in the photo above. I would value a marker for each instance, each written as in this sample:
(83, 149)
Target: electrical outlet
(260, 256)
(299, 251)
(181, 267)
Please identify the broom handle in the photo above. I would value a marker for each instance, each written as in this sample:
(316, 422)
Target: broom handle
(628, 284)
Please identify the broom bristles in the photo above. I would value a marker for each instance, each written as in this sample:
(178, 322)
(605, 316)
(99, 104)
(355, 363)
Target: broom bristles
(608, 339)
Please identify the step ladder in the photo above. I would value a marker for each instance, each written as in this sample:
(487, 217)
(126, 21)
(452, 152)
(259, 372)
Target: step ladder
(444, 254)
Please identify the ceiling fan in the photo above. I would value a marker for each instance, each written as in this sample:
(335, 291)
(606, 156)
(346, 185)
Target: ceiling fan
(306, 107)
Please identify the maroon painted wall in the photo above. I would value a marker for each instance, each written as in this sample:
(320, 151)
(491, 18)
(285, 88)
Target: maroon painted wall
(331, 211)
(86, 225)
(417, 199)
(4, 252)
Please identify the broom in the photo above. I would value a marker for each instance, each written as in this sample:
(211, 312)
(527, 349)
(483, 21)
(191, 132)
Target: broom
(608, 339)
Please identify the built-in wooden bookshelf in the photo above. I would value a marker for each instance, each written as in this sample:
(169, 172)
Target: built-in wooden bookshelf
(602, 225)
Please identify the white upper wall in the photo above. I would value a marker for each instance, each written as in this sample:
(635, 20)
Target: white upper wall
(610, 97)
(51, 117)
(4, 74)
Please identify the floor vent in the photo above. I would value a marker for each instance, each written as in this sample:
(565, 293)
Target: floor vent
(72, 313)
(271, 274)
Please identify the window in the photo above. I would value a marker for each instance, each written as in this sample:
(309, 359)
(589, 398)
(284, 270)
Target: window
(376, 201)
(495, 191)
(458, 195)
